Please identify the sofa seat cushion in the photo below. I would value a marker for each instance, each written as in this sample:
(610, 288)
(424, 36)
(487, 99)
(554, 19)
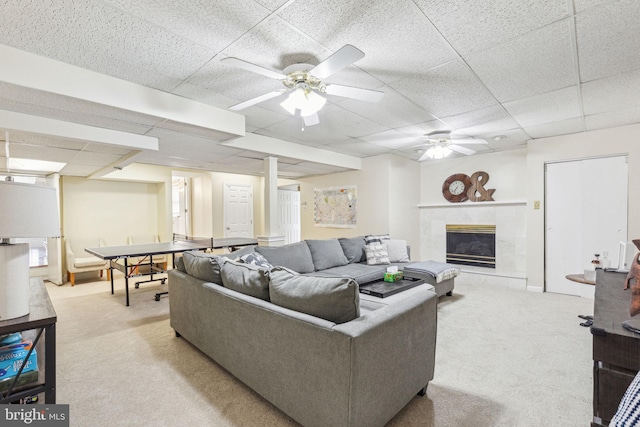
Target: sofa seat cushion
(361, 273)
(336, 299)
(89, 261)
(326, 253)
(248, 279)
(294, 256)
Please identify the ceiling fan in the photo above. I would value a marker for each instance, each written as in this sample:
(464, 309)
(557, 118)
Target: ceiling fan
(304, 83)
(440, 145)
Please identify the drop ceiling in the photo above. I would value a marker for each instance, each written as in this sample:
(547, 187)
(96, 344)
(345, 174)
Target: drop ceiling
(500, 70)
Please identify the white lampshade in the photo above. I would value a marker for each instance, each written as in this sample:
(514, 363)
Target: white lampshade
(305, 100)
(26, 210)
(438, 151)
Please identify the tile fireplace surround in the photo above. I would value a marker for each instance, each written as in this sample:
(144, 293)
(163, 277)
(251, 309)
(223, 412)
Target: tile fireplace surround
(511, 238)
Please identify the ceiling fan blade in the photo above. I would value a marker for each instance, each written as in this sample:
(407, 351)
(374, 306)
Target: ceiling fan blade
(311, 120)
(239, 63)
(256, 100)
(355, 93)
(340, 59)
(461, 150)
(469, 141)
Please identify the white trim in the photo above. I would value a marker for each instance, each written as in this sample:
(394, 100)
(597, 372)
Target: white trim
(472, 204)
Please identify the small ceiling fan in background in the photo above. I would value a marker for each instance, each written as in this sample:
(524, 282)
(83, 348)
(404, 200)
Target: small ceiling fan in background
(304, 83)
(440, 144)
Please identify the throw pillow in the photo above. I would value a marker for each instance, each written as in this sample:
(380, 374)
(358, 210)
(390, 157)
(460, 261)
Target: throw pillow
(627, 413)
(353, 248)
(376, 254)
(326, 253)
(334, 299)
(245, 278)
(255, 258)
(294, 256)
(397, 250)
(375, 238)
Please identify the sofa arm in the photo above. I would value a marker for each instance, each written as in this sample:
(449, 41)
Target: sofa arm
(393, 356)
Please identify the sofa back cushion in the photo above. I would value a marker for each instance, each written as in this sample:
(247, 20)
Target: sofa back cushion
(353, 248)
(326, 253)
(206, 266)
(248, 279)
(334, 299)
(294, 256)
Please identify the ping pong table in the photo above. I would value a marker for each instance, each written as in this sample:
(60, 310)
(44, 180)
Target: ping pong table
(146, 252)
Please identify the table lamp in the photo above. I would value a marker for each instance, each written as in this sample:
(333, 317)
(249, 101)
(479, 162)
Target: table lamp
(26, 211)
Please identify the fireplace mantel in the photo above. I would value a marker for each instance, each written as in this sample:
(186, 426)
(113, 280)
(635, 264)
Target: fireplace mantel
(473, 204)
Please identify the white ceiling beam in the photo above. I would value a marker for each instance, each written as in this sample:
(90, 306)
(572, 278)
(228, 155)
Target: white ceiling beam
(278, 147)
(41, 125)
(37, 72)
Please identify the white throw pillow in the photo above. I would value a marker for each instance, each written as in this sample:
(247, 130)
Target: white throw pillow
(397, 250)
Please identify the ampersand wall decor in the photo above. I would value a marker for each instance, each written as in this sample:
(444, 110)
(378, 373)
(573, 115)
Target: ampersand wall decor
(460, 187)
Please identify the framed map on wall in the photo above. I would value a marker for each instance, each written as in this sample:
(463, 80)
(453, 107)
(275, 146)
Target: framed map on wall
(335, 207)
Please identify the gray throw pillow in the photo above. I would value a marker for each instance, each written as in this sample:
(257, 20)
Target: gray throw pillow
(245, 278)
(353, 248)
(334, 299)
(294, 256)
(376, 254)
(326, 253)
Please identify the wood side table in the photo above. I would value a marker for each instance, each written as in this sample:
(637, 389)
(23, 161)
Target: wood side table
(41, 319)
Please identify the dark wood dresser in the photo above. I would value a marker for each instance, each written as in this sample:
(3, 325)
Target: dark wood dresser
(616, 351)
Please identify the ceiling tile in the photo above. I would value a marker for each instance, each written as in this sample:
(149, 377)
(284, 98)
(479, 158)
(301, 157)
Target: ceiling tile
(357, 148)
(475, 25)
(609, 49)
(535, 63)
(556, 128)
(552, 106)
(385, 31)
(612, 93)
(480, 122)
(95, 159)
(613, 118)
(446, 90)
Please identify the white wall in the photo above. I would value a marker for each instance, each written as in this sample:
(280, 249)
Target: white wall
(387, 200)
(606, 142)
(111, 210)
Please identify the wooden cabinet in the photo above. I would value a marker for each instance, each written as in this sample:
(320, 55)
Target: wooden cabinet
(616, 351)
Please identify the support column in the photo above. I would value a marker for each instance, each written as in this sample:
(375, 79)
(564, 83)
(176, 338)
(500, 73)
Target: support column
(271, 219)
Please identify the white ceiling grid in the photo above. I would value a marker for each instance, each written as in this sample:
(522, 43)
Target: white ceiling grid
(481, 68)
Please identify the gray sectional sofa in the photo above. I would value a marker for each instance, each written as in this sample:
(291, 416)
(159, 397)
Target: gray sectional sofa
(296, 332)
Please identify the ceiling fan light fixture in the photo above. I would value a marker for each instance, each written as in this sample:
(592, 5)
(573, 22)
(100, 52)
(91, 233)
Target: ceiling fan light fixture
(304, 99)
(438, 151)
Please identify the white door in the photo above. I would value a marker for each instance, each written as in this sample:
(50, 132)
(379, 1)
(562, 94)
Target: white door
(238, 210)
(289, 215)
(586, 214)
(180, 206)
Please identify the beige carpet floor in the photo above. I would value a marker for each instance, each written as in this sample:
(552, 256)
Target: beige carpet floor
(505, 357)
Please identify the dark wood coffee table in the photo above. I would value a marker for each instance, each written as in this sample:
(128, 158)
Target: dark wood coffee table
(382, 289)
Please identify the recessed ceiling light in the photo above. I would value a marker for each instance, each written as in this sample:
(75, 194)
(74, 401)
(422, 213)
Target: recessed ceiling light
(34, 165)
(499, 137)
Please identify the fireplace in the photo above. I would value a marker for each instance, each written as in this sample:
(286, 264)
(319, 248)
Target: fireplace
(471, 245)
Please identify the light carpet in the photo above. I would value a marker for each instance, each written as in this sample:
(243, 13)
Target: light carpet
(504, 357)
